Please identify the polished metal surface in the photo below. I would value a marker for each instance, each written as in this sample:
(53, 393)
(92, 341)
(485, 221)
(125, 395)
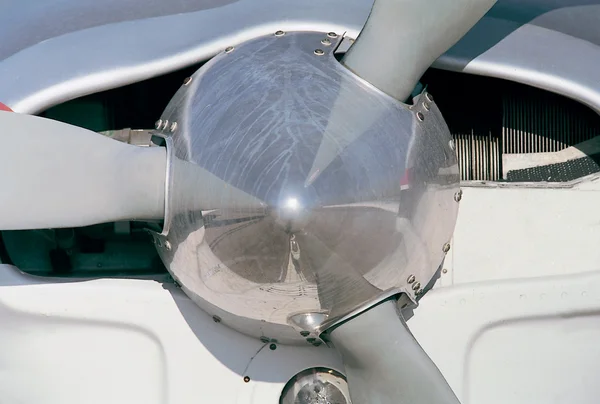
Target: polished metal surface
(316, 195)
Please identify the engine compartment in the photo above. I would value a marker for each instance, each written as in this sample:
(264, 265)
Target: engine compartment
(518, 134)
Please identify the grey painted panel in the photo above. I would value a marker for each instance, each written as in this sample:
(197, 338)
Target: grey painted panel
(108, 56)
(551, 44)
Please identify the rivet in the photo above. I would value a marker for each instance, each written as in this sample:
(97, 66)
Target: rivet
(304, 333)
(216, 319)
(187, 81)
(165, 124)
(411, 279)
(158, 124)
(229, 49)
(246, 379)
(446, 248)
(319, 52)
(279, 33)
(445, 271)
(264, 340)
(332, 35)
(420, 116)
(426, 106)
(173, 126)
(458, 195)
(429, 97)
(326, 42)
(416, 286)
(452, 145)
(272, 347)
(168, 245)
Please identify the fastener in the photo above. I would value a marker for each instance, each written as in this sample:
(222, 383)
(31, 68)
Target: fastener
(411, 279)
(319, 52)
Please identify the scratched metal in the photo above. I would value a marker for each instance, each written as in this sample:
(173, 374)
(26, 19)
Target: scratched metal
(316, 194)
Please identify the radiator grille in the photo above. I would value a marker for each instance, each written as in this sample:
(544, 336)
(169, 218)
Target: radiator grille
(509, 118)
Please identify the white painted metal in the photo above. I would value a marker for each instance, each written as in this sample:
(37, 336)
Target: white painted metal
(515, 319)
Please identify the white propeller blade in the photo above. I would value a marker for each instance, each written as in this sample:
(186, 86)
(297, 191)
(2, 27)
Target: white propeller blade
(58, 175)
(384, 362)
(402, 38)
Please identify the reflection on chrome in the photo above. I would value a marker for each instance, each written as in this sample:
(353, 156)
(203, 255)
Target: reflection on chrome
(301, 170)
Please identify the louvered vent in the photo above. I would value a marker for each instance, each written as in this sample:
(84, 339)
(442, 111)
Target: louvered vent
(492, 119)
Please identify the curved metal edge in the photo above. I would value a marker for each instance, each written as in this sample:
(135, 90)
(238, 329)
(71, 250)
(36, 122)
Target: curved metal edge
(168, 184)
(529, 54)
(97, 59)
(329, 325)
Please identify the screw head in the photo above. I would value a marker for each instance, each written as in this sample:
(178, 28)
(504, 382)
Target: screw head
(187, 81)
(279, 33)
(165, 124)
(229, 49)
(326, 42)
(446, 247)
(429, 97)
(332, 35)
(411, 279)
(158, 124)
(319, 52)
(444, 271)
(426, 106)
(272, 347)
(246, 379)
(216, 319)
(458, 195)
(416, 286)
(420, 116)
(452, 144)
(173, 127)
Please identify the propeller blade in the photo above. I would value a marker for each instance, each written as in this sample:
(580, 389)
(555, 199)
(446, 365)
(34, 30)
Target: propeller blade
(59, 175)
(402, 38)
(385, 364)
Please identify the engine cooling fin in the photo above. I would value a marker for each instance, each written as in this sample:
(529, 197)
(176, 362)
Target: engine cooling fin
(515, 122)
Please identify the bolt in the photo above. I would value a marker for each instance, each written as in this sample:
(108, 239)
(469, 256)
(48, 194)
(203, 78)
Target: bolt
(272, 347)
(304, 333)
(229, 49)
(458, 195)
(187, 81)
(165, 124)
(411, 279)
(429, 97)
(173, 126)
(158, 124)
(426, 106)
(446, 248)
(420, 116)
(326, 42)
(279, 33)
(319, 52)
(246, 379)
(416, 286)
(452, 144)
(216, 319)
(332, 35)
